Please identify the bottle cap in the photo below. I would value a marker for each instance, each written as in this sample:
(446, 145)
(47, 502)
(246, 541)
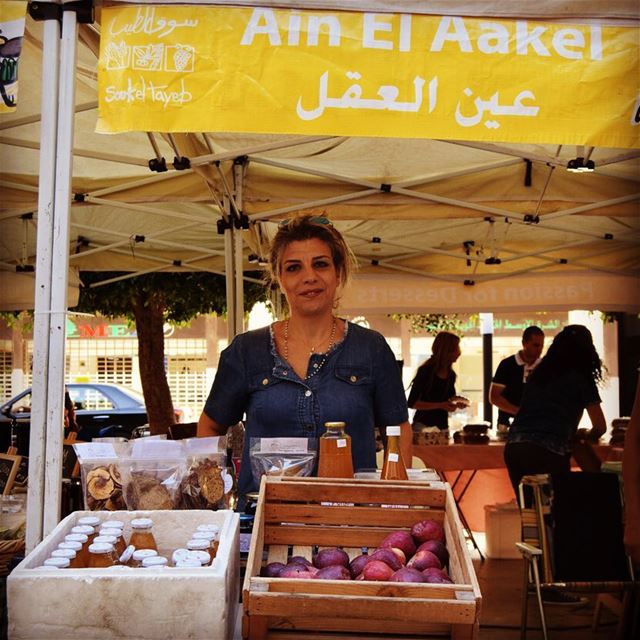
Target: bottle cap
(393, 431)
(70, 544)
(116, 524)
(335, 425)
(141, 523)
(208, 527)
(204, 535)
(140, 554)
(59, 563)
(92, 521)
(188, 562)
(83, 528)
(201, 556)
(127, 554)
(100, 547)
(76, 537)
(155, 561)
(103, 538)
(63, 553)
(197, 545)
(112, 532)
(179, 555)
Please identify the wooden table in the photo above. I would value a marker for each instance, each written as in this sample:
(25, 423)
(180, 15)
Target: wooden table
(460, 464)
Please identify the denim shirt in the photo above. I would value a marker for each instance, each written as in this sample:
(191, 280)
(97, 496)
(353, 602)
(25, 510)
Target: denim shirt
(359, 384)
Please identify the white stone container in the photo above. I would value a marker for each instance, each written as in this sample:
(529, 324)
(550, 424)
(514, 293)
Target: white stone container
(135, 604)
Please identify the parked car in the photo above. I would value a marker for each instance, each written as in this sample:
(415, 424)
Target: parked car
(101, 410)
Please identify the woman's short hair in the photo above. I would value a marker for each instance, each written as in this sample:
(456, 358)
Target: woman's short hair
(308, 227)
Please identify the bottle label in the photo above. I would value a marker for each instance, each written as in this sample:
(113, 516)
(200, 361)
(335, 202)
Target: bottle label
(341, 443)
(394, 457)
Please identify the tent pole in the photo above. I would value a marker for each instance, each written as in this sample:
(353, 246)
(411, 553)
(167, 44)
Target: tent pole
(229, 264)
(238, 175)
(60, 273)
(42, 317)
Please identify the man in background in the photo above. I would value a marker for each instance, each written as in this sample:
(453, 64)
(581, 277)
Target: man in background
(511, 375)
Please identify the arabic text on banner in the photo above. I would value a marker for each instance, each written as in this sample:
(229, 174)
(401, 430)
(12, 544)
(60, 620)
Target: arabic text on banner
(12, 16)
(181, 68)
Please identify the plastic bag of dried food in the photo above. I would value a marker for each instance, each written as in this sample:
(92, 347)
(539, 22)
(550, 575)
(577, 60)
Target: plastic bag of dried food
(152, 474)
(207, 483)
(282, 457)
(101, 475)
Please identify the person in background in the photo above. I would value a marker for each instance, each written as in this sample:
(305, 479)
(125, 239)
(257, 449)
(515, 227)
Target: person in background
(511, 376)
(562, 386)
(313, 367)
(433, 389)
(631, 478)
(70, 424)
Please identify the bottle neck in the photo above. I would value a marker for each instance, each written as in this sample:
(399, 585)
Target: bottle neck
(393, 444)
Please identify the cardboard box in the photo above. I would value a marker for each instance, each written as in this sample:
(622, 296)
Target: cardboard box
(136, 604)
(297, 516)
(503, 530)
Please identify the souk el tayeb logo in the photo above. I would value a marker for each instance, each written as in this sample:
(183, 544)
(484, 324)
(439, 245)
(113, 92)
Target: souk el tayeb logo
(9, 54)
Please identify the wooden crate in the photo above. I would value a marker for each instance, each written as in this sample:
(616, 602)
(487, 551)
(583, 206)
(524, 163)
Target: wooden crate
(296, 516)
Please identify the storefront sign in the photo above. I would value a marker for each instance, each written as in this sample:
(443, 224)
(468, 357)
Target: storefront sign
(186, 68)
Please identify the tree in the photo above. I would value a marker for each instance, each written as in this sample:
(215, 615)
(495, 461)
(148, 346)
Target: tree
(149, 301)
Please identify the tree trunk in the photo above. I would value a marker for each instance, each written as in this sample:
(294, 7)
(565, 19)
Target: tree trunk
(157, 396)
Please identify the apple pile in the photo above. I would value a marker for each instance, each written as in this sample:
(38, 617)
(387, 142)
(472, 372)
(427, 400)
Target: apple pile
(419, 556)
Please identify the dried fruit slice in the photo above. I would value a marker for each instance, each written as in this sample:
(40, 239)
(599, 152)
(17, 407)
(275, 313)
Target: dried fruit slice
(114, 472)
(100, 487)
(210, 481)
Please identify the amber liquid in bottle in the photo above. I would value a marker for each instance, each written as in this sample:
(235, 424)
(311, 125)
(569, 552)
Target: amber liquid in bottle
(335, 452)
(142, 534)
(393, 467)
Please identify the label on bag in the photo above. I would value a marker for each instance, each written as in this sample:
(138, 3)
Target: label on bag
(284, 445)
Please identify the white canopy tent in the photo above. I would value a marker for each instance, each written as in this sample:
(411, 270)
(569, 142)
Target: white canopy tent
(437, 226)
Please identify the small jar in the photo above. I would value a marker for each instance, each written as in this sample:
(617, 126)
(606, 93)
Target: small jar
(116, 524)
(91, 521)
(142, 534)
(116, 534)
(58, 563)
(192, 563)
(154, 562)
(78, 561)
(87, 534)
(70, 554)
(203, 557)
(140, 554)
(179, 555)
(202, 546)
(126, 558)
(101, 555)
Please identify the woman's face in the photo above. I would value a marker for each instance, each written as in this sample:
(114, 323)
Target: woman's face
(308, 276)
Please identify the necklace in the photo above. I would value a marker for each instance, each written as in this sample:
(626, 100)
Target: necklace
(317, 365)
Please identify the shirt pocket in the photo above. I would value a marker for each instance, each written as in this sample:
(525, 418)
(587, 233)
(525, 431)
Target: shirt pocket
(354, 376)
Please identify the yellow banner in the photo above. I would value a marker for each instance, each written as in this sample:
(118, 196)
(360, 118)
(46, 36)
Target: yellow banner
(12, 15)
(186, 68)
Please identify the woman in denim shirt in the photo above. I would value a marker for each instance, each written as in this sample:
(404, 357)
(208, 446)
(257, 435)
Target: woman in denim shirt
(292, 377)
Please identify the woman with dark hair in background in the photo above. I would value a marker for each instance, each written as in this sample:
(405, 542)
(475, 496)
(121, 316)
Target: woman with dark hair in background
(433, 389)
(561, 387)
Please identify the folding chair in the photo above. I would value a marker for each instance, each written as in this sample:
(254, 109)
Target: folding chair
(572, 539)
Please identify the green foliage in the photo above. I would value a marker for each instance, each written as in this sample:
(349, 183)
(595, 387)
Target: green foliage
(182, 295)
(434, 322)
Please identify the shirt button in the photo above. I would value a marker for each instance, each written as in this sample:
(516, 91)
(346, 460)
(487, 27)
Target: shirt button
(353, 378)
(315, 365)
(307, 393)
(285, 373)
(265, 381)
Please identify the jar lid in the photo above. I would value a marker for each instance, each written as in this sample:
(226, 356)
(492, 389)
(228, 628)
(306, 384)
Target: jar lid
(141, 523)
(208, 527)
(116, 524)
(155, 561)
(335, 425)
(188, 562)
(58, 563)
(179, 555)
(201, 556)
(70, 544)
(140, 554)
(111, 532)
(393, 431)
(104, 538)
(197, 545)
(83, 528)
(63, 553)
(127, 554)
(76, 537)
(92, 521)
(101, 547)
(204, 535)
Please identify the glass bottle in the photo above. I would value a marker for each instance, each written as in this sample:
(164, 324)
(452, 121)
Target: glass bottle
(203, 547)
(154, 562)
(335, 452)
(142, 534)
(119, 542)
(393, 467)
(139, 555)
(101, 555)
(82, 554)
(59, 563)
(69, 554)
